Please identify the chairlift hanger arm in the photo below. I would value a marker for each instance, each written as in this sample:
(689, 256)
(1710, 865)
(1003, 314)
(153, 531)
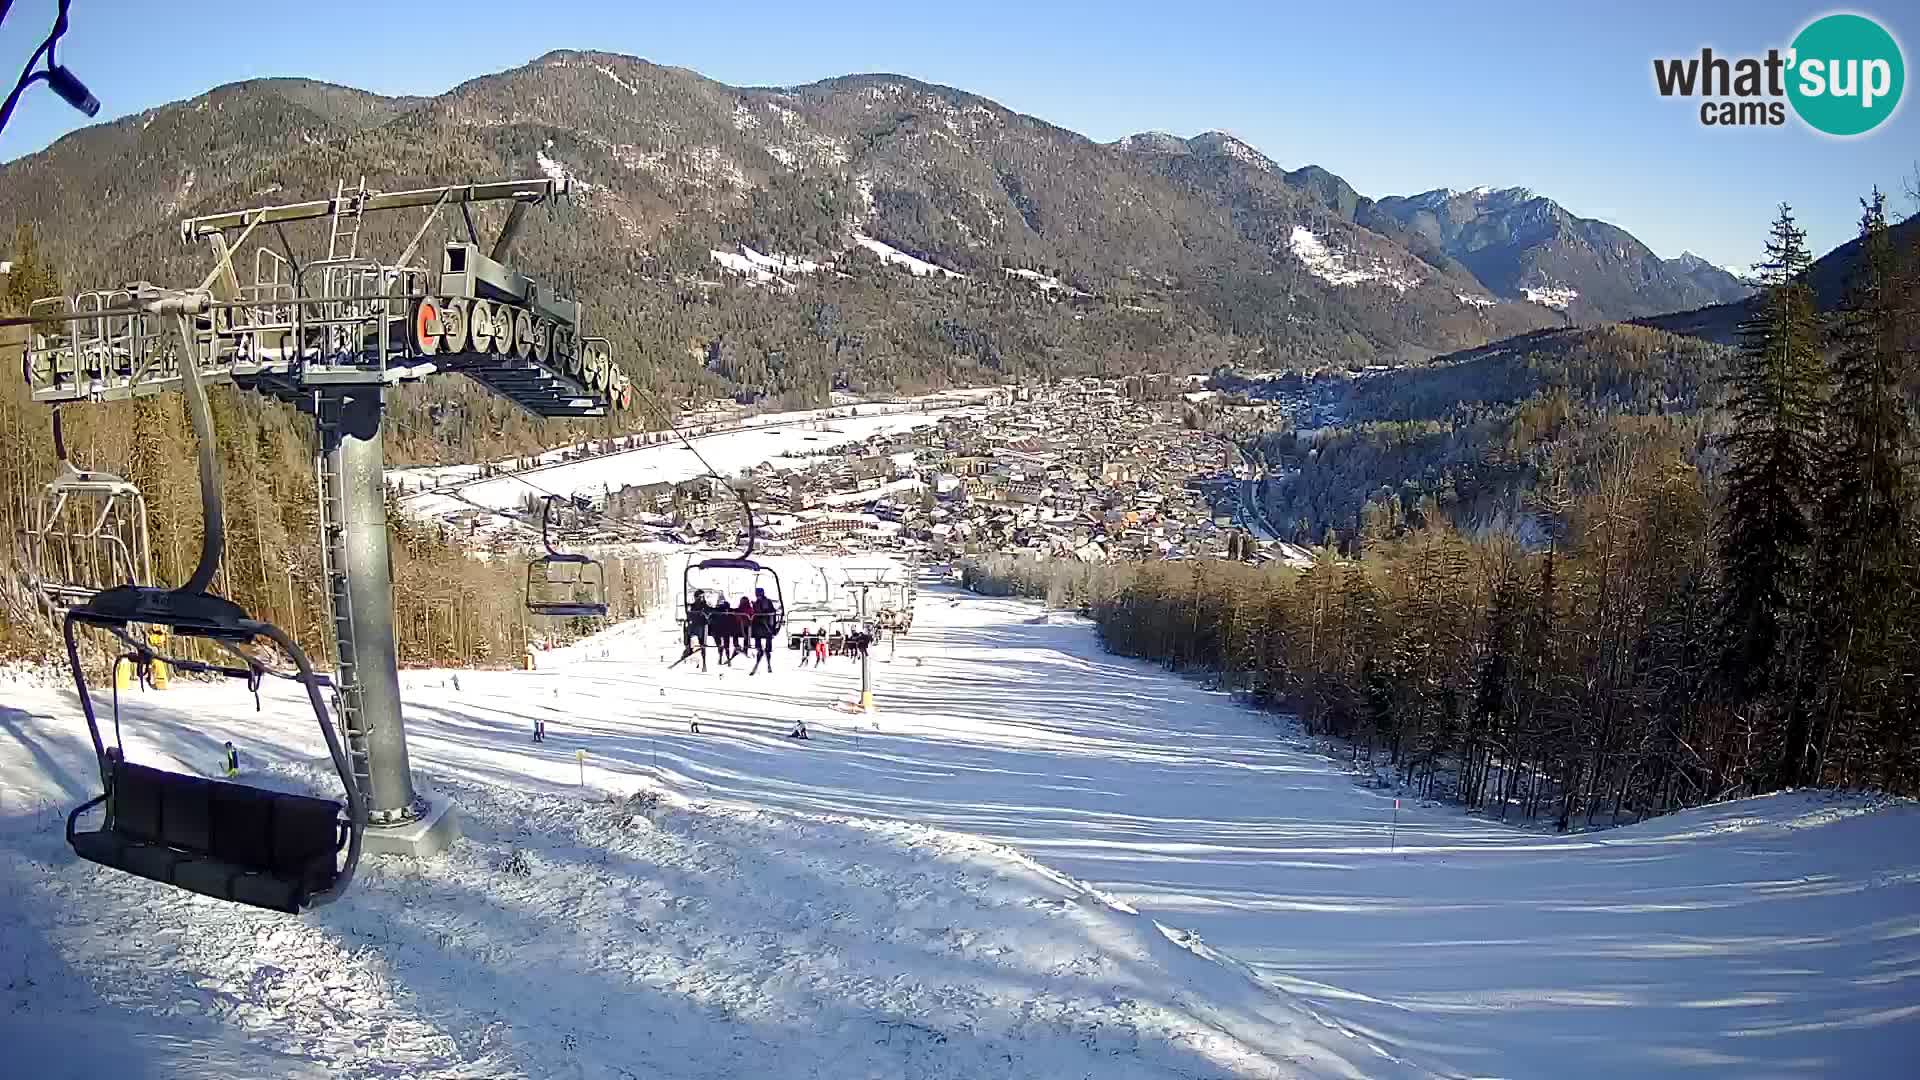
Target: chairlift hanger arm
(524, 191)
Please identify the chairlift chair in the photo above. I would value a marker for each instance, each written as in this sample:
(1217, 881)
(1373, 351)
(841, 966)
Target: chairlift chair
(741, 563)
(806, 618)
(564, 584)
(841, 630)
(230, 841)
(88, 533)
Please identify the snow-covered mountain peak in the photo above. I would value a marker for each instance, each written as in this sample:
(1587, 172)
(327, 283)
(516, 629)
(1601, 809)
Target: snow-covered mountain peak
(1154, 142)
(1220, 142)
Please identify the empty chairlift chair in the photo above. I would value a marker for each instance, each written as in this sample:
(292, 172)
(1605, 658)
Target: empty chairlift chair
(564, 584)
(88, 533)
(226, 840)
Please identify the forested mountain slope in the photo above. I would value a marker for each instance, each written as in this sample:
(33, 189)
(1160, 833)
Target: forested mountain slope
(907, 235)
(1493, 438)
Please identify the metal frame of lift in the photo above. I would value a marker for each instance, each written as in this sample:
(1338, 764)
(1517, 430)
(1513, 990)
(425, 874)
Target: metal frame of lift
(329, 335)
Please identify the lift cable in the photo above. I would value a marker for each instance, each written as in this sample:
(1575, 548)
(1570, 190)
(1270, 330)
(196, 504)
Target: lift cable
(628, 530)
(61, 81)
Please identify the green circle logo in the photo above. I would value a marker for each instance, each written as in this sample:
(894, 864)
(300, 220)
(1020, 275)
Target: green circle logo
(1846, 75)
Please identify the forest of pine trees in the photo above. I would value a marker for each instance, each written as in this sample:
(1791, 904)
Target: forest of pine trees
(1696, 626)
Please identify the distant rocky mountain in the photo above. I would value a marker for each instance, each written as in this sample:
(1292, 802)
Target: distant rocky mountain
(867, 232)
(1708, 276)
(1513, 244)
(1829, 275)
(1523, 245)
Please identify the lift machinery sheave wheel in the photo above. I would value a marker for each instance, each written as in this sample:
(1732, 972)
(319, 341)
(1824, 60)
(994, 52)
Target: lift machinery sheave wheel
(454, 324)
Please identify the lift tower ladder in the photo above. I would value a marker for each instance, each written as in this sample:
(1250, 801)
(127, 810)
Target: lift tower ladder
(334, 570)
(345, 227)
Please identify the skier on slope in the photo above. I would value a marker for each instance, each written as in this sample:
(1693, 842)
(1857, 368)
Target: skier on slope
(766, 623)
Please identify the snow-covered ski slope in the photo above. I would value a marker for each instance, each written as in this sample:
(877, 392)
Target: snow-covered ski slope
(950, 889)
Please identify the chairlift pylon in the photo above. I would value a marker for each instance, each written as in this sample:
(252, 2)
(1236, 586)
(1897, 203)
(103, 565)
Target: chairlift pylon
(222, 839)
(564, 584)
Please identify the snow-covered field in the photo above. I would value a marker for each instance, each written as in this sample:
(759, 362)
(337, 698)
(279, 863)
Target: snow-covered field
(1035, 860)
(457, 488)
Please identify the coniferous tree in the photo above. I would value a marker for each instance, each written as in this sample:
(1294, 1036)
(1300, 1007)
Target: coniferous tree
(31, 276)
(1775, 402)
(1866, 510)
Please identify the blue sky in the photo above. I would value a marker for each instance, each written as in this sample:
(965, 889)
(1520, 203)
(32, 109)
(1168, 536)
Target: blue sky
(1396, 98)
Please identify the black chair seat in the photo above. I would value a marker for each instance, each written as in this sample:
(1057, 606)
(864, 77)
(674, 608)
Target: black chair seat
(229, 841)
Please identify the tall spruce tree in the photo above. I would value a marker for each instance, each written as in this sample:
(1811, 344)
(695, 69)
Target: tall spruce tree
(1775, 400)
(1866, 538)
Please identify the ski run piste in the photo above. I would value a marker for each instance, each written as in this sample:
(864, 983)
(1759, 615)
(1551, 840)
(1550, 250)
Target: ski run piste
(1032, 860)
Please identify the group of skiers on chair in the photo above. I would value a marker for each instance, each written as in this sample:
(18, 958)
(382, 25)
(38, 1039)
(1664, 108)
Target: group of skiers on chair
(755, 620)
(817, 645)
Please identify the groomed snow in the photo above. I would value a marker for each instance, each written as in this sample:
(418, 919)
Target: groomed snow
(1036, 860)
(1334, 268)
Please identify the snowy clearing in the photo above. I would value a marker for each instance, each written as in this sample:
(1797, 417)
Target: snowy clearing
(744, 266)
(457, 488)
(890, 254)
(1339, 268)
(949, 889)
(1552, 296)
(557, 171)
(1046, 282)
(755, 266)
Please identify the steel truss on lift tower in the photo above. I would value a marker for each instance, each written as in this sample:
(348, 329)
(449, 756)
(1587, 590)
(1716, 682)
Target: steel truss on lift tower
(329, 333)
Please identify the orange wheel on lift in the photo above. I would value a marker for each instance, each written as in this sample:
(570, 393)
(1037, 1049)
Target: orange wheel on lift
(426, 326)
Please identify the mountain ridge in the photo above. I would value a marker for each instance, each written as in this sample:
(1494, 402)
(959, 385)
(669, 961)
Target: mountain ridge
(1062, 254)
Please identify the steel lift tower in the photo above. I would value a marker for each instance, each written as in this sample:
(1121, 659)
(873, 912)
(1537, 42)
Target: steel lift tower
(329, 334)
(894, 585)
